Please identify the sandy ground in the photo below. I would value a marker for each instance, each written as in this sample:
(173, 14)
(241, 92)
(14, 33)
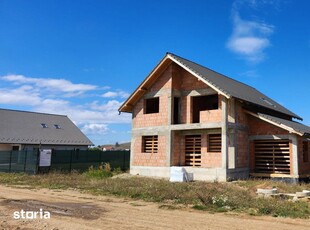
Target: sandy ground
(73, 210)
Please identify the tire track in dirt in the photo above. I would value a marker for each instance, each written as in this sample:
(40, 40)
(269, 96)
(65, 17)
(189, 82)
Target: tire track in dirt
(105, 212)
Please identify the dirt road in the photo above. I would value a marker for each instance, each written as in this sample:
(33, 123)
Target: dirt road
(73, 210)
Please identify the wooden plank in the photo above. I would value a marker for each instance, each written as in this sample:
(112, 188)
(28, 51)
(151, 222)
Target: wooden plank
(272, 156)
(193, 150)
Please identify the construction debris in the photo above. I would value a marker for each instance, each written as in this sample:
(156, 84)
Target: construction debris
(304, 195)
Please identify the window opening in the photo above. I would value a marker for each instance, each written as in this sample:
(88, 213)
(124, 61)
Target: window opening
(214, 143)
(152, 105)
(193, 150)
(150, 144)
(202, 103)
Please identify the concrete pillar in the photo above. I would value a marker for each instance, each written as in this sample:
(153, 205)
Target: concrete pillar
(169, 146)
(170, 106)
(133, 139)
(294, 160)
(224, 126)
(232, 149)
(169, 134)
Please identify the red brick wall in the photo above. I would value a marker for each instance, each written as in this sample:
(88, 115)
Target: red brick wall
(184, 81)
(241, 116)
(208, 159)
(186, 110)
(212, 115)
(303, 167)
(256, 126)
(150, 159)
(154, 119)
(178, 150)
(179, 79)
(242, 149)
(260, 127)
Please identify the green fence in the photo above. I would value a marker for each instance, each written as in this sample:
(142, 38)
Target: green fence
(81, 160)
(63, 160)
(19, 161)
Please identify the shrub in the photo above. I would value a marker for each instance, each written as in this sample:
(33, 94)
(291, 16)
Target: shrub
(103, 171)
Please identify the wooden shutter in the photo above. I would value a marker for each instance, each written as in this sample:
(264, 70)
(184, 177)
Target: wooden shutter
(214, 143)
(272, 156)
(193, 150)
(150, 144)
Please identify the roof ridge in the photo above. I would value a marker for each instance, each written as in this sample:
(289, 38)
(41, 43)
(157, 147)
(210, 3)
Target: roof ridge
(23, 111)
(210, 70)
(222, 84)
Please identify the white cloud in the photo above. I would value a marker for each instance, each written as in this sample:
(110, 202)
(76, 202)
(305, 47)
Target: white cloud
(112, 105)
(252, 47)
(61, 85)
(24, 95)
(249, 38)
(123, 94)
(110, 94)
(90, 129)
(51, 96)
(85, 113)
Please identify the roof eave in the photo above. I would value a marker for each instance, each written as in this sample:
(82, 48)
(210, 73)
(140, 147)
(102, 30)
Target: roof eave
(280, 125)
(127, 106)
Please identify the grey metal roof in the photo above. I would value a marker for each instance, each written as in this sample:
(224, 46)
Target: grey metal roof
(233, 88)
(296, 126)
(21, 127)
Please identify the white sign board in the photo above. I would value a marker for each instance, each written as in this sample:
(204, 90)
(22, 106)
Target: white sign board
(45, 157)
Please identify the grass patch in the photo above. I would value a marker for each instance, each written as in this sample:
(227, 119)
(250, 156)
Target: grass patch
(212, 197)
(103, 171)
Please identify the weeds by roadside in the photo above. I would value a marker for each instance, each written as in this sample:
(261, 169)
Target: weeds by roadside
(103, 171)
(214, 197)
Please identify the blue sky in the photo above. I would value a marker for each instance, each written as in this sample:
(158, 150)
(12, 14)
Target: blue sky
(83, 58)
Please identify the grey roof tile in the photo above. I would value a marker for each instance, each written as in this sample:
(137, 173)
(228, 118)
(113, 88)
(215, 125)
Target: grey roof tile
(23, 127)
(298, 127)
(233, 87)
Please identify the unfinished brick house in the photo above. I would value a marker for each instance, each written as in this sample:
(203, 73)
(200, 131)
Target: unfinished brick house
(184, 114)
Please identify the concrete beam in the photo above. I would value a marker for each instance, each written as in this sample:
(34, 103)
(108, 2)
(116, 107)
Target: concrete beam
(198, 92)
(268, 137)
(169, 149)
(155, 129)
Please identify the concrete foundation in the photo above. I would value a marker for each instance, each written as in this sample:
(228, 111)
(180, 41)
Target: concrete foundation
(201, 174)
(239, 173)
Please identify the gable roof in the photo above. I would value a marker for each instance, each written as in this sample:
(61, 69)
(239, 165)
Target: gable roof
(21, 127)
(220, 83)
(291, 126)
